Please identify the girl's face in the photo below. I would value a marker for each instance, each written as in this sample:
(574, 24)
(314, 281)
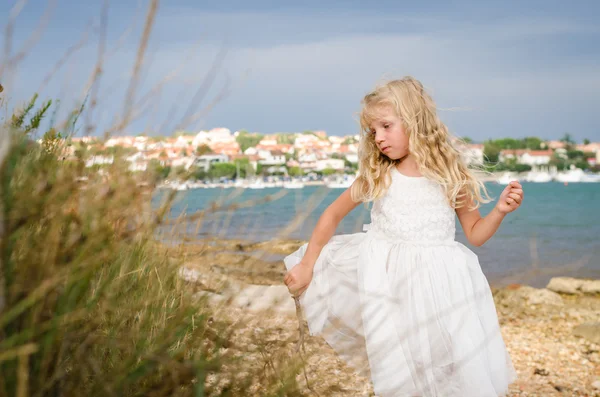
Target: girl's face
(389, 134)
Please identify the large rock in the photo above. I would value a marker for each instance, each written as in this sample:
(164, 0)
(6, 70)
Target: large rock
(543, 297)
(254, 298)
(591, 287)
(526, 295)
(257, 298)
(589, 331)
(569, 285)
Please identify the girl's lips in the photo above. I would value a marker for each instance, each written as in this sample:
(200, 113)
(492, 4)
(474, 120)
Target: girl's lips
(385, 149)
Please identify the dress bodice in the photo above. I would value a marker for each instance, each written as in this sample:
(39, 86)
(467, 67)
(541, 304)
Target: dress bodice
(413, 209)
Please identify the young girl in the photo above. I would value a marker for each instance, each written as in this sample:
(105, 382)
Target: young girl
(404, 303)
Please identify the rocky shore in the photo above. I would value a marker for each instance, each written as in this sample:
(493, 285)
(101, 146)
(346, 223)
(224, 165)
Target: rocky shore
(552, 333)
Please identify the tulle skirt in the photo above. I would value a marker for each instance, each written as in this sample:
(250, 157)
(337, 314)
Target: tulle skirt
(417, 318)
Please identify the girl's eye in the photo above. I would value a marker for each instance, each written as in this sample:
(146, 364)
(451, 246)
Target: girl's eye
(386, 126)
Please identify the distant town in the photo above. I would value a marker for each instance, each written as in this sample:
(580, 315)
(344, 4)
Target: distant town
(220, 154)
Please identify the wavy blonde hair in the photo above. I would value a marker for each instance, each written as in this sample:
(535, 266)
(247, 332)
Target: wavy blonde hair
(430, 144)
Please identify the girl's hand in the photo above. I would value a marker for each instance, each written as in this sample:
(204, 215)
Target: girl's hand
(298, 278)
(511, 198)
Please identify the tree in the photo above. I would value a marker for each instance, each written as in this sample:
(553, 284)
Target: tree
(246, 140)
(586, 141)
(509, 143)
(294, 171)
(244, 167)
(520, 167)
(328, 171)
(532, 143)
(567, 139)
(559, 162)
(575, 154)
(199, 173)
(491, 152)
(159, 171)
(467, 140)
(350, 166)
(288, 139)
(584, 165)
(203, 149)
(222, 170)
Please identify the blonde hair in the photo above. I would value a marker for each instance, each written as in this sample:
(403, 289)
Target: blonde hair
(430, 144)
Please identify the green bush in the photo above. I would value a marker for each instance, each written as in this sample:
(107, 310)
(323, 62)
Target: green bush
(90, 303)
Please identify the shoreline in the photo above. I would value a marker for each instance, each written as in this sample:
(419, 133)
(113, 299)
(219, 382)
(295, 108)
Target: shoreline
(265, 258)
(279, 183)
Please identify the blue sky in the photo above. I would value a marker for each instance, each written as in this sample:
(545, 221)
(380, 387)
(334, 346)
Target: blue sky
(508, 69)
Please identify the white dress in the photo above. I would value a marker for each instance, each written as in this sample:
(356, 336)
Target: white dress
(407, 305)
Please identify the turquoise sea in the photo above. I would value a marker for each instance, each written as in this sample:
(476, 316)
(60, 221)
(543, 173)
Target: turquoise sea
(555, 232)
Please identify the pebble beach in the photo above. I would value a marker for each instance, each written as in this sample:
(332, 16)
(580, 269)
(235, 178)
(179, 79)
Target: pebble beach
(552, 333)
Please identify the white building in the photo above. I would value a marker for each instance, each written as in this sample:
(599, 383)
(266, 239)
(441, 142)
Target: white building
(185, 162)
(536, 158)
(473, 153)
(352, 157)
(137, 156)
(271, 157)
(99, 160)
(206, 160)
(137, 162)
(307, 157)
(268, 141)
(214, 136)
(119, 141)
(183, 141)
(305, 140)
(201, 138)
(138, 166)
(140, 143)
(336, 164)
(221, 135)
(524, 156)
(336, 140)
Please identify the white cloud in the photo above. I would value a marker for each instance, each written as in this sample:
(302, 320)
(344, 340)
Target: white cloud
(310, 71)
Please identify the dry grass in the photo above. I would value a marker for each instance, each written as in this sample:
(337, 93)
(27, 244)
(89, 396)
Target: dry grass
(89, 303)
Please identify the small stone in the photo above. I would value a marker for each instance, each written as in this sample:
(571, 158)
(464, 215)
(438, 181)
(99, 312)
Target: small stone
(541, 372)
(559, 388)
(596, 385)
(589, 331)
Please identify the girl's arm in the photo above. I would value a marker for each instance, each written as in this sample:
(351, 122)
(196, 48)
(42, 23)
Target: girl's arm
(298, 278)
(479, 229)
(326, 226)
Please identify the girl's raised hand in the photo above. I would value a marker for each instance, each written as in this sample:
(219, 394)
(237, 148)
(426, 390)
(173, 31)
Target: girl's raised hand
(510, 198)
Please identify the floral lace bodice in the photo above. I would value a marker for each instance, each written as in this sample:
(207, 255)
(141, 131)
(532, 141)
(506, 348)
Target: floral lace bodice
(413, 209)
